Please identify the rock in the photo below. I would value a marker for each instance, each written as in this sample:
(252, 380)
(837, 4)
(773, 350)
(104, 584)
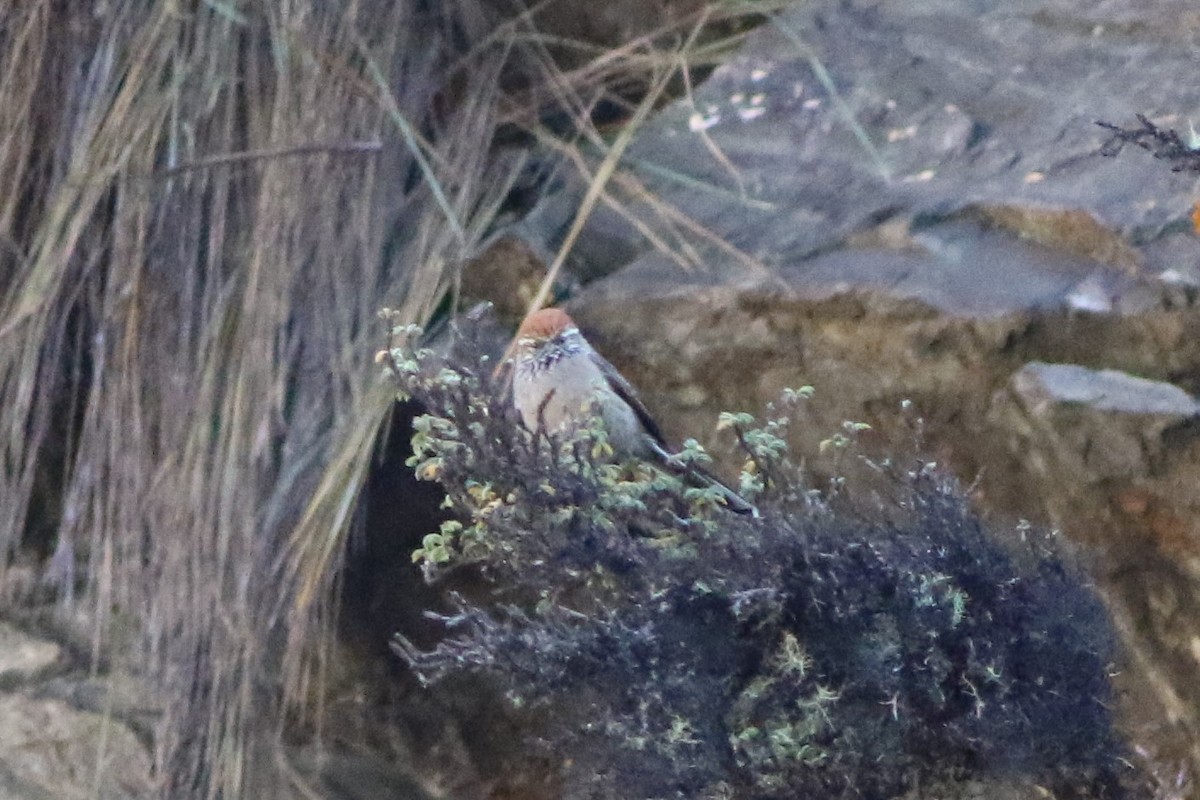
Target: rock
(1110, 455)
(117, 694)
(940, 109)
(1114, 460)
(943, 231)
(1105, 425)
(506, 274)
(1042, 386)
(1111, 459)
(356, 776)
(942, 321)
(49, 750)
(24, 657)
(979, 231)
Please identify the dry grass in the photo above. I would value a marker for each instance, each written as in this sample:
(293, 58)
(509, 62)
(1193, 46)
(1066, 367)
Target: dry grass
(203, 211)
(202, 207)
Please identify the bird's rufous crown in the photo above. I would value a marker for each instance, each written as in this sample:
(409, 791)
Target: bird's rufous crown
(545, 324)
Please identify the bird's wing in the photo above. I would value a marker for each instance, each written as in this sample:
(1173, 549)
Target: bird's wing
(624, 389)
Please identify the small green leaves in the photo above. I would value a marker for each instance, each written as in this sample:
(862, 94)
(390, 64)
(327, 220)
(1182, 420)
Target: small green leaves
(835, 442)
(449, 378)
(435, 547)
(706, 497)
(729, 420)
(601, 449)
(693, 454)
(407, 332)
(794, 397)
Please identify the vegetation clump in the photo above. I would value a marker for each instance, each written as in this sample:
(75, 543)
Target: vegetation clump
(663, 646)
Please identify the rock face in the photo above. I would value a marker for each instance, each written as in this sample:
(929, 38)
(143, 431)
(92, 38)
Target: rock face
(1112, 458)
(944, 231)
(50, 749)
(1099, 439)
(24, 657)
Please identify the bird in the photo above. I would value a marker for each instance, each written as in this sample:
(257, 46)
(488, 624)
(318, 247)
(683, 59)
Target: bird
(559, 381)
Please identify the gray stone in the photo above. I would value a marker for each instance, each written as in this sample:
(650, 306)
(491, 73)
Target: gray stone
(1042, 385)
(23, 657)
(1101, 425)
(965, 106)
(48, 749)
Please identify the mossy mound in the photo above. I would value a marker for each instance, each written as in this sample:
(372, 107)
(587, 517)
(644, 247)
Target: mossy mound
(662, 646)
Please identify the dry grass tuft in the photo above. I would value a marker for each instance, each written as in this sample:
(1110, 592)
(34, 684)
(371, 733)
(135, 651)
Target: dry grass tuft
(202, 207)
(204, 212)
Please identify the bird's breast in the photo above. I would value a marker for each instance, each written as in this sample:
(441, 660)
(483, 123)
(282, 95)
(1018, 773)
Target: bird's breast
(558, 398)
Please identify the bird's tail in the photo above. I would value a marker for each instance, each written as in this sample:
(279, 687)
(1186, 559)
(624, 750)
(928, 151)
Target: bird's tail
(733, 501)
(703, 479)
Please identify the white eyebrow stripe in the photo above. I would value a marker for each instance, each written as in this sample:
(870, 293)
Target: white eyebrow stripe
(528, 340)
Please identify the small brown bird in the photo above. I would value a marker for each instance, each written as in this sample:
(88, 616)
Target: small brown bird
(558, 378)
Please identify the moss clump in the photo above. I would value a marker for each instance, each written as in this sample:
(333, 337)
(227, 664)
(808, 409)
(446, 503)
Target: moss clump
(667, 647)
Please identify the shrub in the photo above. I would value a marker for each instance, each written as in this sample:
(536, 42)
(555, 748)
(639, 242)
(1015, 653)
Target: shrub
(663, 646)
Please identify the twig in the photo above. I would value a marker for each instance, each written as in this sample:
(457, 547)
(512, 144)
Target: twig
(1165, 144)
(225, 159)
(762, 467)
